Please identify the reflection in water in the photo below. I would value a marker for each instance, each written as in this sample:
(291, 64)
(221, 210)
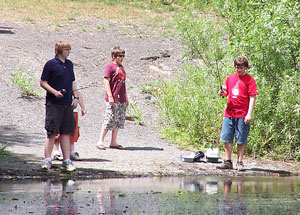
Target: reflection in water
(58, 197)
(231, 204)
(169, 195)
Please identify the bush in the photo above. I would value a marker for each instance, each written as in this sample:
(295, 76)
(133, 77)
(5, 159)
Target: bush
(189, 107)
(267, 32)
(26, 83)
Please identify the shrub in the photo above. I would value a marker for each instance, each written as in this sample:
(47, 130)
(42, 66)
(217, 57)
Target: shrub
(267, 32)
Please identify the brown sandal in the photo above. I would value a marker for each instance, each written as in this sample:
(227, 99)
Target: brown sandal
(117, 147)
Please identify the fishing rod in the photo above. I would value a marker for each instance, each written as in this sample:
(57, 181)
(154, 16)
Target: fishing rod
(64, 91)
(218, 72)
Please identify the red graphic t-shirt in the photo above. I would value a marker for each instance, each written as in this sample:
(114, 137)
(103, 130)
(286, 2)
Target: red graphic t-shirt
(117, 77)
(239, 89)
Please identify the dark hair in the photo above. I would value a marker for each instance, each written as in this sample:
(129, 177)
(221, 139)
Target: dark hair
(116, 51)
(241, 61)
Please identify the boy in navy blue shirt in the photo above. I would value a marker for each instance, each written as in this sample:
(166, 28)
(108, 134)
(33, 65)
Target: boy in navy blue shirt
(58, 80)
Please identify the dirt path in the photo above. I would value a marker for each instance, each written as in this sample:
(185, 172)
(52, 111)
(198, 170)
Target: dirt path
(27, 47)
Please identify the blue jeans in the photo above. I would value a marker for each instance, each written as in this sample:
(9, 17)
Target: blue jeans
(234, 127)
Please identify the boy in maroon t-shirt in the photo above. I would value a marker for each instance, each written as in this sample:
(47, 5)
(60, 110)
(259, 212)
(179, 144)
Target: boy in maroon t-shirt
(115, 97)
(241, 90)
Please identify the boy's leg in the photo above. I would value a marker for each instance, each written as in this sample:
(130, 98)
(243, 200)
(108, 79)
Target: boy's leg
(242, 132)
(240, 151)
(67, 127)
(114, 135)
(113, 143)
(120, 112)
(72, 148)
(65, 145)
(56, 153)
(49, 142)
(228, 150)
(108, 124)
(227, 135)
(100, 143)
(67, 164)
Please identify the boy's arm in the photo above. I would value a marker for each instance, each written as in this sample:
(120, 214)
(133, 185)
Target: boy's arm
(48, 88)
(81, 104)
(108, 91)
(248, 117)
(76, 95)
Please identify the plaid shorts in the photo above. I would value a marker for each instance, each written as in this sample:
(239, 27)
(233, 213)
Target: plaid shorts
(114, 116)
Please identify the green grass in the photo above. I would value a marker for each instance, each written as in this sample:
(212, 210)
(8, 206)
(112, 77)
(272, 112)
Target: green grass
(52, 12)
(3, 152)
(150, 88)
(135, 113)
(26, 83)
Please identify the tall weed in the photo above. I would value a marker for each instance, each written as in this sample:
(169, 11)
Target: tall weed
(191, 108)
(267, 32)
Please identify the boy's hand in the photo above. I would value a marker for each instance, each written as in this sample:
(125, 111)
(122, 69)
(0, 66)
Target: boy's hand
(223, 93)
(247, 119)
(58, 94)
(75, 103)
(111, 101)
(83, 111)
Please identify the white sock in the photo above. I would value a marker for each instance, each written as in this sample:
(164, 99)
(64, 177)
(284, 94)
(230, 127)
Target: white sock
(67, 160)
(72, 152)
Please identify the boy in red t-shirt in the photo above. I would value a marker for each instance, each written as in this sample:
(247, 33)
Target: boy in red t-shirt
(241, 90)
(115, 97)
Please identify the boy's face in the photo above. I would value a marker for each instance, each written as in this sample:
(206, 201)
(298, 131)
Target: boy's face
(240, 70)
(65, 53)
(119, 58)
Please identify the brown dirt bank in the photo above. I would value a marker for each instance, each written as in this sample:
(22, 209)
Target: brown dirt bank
(28, 47)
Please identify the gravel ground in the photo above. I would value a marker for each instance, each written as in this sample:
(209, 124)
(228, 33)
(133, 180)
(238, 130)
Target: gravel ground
(27, 47)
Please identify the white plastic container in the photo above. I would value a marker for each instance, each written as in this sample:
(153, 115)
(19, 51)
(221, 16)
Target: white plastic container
(212, 155)
(188, 158)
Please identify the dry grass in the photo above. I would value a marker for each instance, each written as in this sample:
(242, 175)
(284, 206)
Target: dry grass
(51, 12)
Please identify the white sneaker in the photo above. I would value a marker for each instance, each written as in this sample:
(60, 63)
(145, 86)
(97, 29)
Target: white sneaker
(57, 156)
(240, 166)
(67, 166)
(75, 156)
(46, 165)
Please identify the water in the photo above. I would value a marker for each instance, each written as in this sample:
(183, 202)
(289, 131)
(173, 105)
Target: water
(173, 195)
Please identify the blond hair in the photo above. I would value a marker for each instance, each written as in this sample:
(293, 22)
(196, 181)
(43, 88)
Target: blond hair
(61, 45)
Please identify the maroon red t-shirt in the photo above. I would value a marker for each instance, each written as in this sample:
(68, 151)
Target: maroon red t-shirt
(117, 76)
(239, 89)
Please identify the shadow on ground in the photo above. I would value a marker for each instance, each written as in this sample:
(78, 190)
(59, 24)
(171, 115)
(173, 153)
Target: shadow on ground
(9, 135)
(144, 148)
(95, 160)
(279, 172)
(56, 173)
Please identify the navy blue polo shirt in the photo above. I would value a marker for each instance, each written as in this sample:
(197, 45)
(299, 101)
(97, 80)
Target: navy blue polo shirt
(59, 76)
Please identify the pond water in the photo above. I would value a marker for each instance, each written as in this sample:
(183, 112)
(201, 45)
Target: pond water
(153, 196)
